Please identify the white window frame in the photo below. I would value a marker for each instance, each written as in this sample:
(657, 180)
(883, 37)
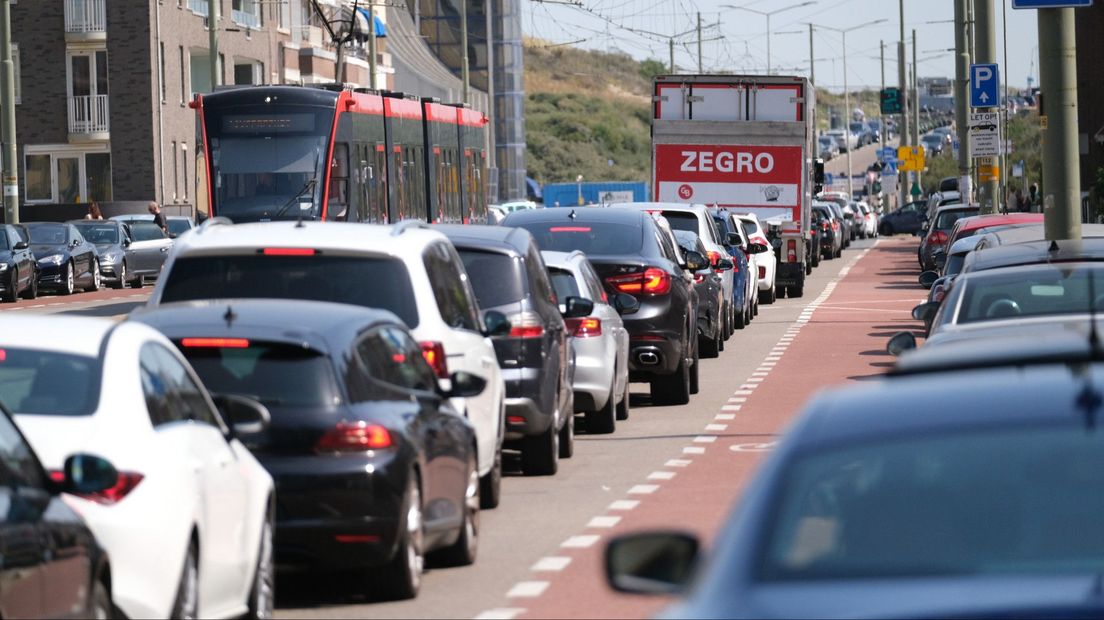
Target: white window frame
(91, 53)
(62, 151)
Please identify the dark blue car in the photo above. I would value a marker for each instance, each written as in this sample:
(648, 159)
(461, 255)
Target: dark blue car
(726, 227)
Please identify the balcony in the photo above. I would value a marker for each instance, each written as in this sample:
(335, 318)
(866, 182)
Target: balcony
(246, 19)
(89, 120)
(85, 20)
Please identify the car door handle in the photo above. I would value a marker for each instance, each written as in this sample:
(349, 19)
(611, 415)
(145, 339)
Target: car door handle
(165, 249)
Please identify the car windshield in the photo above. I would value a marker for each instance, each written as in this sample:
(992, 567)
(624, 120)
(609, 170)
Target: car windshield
(48, 383)
(146, 231)
(49, 234)
(498, 279)
(273, 373)
(947, 219)
(99, 233)
(1041, 290)
(594, 238)
(564, 283)
(938, 505)
(369, 281)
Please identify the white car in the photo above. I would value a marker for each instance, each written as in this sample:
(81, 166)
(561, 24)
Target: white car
(600, 340)
(765, 262)
(408, 268)
(870, 220)
(188, 526)
(751, 282)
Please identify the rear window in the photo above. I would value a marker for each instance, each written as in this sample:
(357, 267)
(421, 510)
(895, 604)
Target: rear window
(564, 283)
(275, 374)
(595, 238)
(947, 219)
(49, 383)
(178, 227)
(369, 281)
(496, 278)
(681, 220)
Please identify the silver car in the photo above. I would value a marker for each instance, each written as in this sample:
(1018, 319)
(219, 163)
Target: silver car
(600, 341)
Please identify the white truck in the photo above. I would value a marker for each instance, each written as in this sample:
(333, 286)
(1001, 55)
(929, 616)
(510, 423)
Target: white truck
(744, 143)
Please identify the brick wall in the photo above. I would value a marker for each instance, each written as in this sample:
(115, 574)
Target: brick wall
(1090, 89)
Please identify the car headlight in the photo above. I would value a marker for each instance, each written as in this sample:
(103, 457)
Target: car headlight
(56, 259)
(3, 266)
(109, 257)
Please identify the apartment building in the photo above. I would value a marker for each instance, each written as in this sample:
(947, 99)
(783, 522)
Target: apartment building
(103, 88)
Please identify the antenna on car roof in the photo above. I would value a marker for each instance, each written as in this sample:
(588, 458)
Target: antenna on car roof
(1053, 246)
(299, 221)
(572, 214)
(229, 316)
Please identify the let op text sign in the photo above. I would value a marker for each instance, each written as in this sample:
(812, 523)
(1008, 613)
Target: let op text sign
(984, 86)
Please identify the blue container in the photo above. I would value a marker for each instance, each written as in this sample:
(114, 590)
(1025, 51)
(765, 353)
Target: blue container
(595, 192)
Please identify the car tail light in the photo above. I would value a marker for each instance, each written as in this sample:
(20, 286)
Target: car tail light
(346, 539)
(584, 327)
(825, 225)
(434, 354)
(653, 281)
(791, 251)
(216, 343)
(835, 225)
(937, 238)
(699, 278)
(123, 486)
(762, 273)
(526, 325)
(760, 239)
(714, 257)
(289, 251)
(938, 294)
(354, 437)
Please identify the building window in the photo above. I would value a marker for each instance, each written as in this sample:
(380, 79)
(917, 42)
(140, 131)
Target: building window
(97, 168)
(200, 72)
(176, 171)
(66, 174)
(184, 168)
(183, 78)
(283, 17)
(248, 72)
(246, 13)
(161, 74)
(39, 179)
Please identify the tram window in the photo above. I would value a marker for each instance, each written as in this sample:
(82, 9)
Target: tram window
(338, 208)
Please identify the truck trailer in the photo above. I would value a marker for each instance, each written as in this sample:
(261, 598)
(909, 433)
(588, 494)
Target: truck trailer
(744, 143)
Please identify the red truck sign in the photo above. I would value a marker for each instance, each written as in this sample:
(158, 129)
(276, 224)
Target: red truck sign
(730, 175)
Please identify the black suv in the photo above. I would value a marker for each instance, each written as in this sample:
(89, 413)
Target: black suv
(632, 255)
(509, 275)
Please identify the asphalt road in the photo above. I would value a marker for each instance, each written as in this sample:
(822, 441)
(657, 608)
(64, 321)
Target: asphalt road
(539, 553)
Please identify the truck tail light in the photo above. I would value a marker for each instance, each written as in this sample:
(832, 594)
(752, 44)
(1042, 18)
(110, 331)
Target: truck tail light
(791, 251)
(434, 354)
(586, 327)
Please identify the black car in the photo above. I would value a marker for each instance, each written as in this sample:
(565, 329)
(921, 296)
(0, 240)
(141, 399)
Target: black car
(736, 246)
(52, 565)
(907, 219)
(373, 467)
(846, 226)
(509, 276)
(707, 283)
(65, 259)
(633, 256)
(18, 268)
(830, 231)
(112, 240)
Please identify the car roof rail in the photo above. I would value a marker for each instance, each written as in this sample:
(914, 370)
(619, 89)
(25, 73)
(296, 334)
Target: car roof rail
(405, 225)
(218, 220)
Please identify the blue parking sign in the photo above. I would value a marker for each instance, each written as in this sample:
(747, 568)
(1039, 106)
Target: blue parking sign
(984, 86)
(887, 153)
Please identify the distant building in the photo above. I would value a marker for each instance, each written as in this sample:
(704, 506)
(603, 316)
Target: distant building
(1089, 23)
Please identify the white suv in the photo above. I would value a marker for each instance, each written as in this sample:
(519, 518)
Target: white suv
(767, 262)
(407, 268)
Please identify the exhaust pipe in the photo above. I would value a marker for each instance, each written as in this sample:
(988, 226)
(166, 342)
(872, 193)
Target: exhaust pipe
(647, 358)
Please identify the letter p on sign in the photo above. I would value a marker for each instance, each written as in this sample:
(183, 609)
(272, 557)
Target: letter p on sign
(984, 86)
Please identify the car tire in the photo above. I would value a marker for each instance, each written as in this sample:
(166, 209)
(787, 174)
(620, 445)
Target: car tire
(567, 435)
(886, 229)
(740, 322)
(96, 281)
(540, 453)
(122, 276)
(624, 406)
(32, 290)
(138, 282)
(11, 294)
(694, 368)
(710, 347)
(402, 577)
(603, 421)
(262, 595)
(797, 291)
(186, 603)
(68, 284)
(839, 253)
(99, 604)
(464, 551)
(768, 297)
(490, 489)
(722, 337)
(672, 389)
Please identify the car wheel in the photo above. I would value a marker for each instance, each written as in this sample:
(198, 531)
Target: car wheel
(672, 389)
(694, 388)
(490, 486)
(755, 303)
(10, 295)
(604, 421)
(100, 607)
(623, 406)
(740, 321)
(68, 284)
(402, 577)
(839, 252)
(885, 229)
(138, 282)
(540, 453)
(797, 291)
(768, 296)
(32, 289)
(567, 435)
(723, 335)
(262, 596)
(96, 282)
(186, 604)
(466, 547)
(122, 276)
(710, 347)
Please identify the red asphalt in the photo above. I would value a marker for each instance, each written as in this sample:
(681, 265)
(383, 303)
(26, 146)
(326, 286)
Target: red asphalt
(844, 341)
(52, 299)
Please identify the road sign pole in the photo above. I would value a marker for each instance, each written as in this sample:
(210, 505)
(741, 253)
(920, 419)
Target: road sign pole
(1061, 163)
(903, 89)
(961, 91)
(985, 31)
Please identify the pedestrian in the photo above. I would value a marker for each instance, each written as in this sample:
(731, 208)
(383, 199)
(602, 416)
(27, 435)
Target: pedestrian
(94, 212)
(158, 217)
(1033, 198)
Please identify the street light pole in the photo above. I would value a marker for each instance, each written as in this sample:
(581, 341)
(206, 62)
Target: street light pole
(961, 94)
(768, 14)
(7, 107)
(904, 139)
(1061, 163)
(212, 41)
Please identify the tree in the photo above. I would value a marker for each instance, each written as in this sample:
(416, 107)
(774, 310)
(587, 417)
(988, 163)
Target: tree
(652, 67)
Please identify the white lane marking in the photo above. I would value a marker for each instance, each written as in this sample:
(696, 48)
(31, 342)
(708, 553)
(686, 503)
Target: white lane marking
(643, 489)
(749, 386)
(738, 399)
(755, 380)
(501, 613)
(552, 564)
(742, 392)
(705, 439)
(725, 416)
(580, 542)
(760, 373)
(604, 522)
(730, 407)
(753, 447)
(624, 504)
(661, 475)
(693, 450)
(716, 427)
(677, 463)
(527, 589)
(773, 358)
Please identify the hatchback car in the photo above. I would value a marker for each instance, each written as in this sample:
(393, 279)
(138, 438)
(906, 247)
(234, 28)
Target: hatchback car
(629, 253)
(373, 467)
(751, 283)
(711, 299)
(18, 268)
(907, 219)
(766, 262)
(65, 259)
(130, 397)
(831, 232)
(112, 241)
(939, 230)
(600, 341)
(742, 265)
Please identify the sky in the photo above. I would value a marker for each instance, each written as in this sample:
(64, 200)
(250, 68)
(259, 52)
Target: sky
(736, 39)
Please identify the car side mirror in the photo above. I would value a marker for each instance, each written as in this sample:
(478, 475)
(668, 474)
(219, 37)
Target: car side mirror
(625, 304)
(651, 562)
(576, 307)
(244, 415)
(725, 264)
(85, 473)
(126, 243)
(74, 243)
(495, 323)
(21, 245)
(465, 385)
(757, 248)
(928, 278)
(695, 261)
(733, 239)
(926, 311)
(901, 342)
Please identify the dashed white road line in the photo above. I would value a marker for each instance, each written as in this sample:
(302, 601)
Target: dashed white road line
(705, 439)
(677, 463)
(643, 489)
(527, 589)
(603, 522)
(553, 564)
(693, 450)
(661, 475)
(583, 541)
(624, 504)
(501, 613)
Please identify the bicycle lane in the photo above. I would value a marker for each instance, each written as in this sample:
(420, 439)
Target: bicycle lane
(839, 338)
